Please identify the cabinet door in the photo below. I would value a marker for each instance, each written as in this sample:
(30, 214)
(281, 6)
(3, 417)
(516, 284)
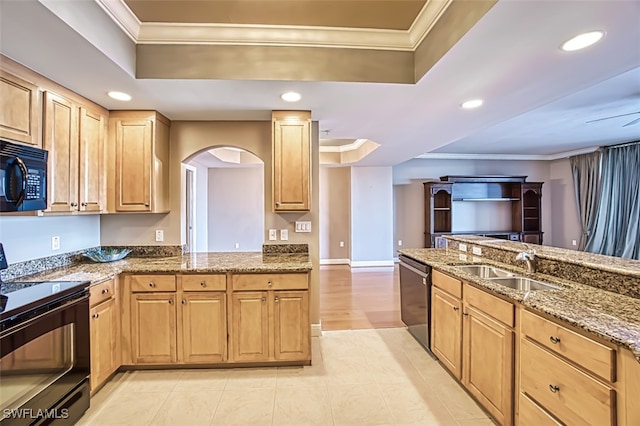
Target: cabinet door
(488, 363)
(291, 160)
(204, 327)
(104, 338)
(91, 160)
(446, 330)
(250, 326)
(61, 140)
(292, 334)
(133, 165)
(18, 109)
(153, 328)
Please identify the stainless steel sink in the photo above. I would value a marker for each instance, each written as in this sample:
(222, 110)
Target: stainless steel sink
(485, 271)
(524, 283)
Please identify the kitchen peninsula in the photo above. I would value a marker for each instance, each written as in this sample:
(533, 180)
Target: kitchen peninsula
(565, 354)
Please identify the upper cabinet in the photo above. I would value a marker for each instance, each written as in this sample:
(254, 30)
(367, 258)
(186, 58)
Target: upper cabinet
(291, 160)
(19, 115)
(140, 177)
(74, 136)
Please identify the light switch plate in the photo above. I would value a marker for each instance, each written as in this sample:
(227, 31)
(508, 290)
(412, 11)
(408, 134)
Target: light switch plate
(159, 235)
(284, 235)
(273, 234)
(303, 226)
(476, 250)
(462, 247)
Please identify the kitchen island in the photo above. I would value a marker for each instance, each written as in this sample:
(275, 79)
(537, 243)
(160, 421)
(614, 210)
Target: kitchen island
(568, 354)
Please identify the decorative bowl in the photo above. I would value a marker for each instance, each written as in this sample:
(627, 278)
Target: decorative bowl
(107, 255)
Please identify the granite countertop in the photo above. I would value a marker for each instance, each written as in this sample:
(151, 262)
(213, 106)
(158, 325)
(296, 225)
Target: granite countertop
(608, 315)
(218, 262)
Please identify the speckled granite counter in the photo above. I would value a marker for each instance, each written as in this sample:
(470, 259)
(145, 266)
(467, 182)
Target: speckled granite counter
(606, 314)
(196, 262)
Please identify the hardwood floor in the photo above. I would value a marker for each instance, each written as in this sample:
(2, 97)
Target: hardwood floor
(359, 298)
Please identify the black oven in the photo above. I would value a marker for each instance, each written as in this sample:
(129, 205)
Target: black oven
(23, 177)
(44, 350)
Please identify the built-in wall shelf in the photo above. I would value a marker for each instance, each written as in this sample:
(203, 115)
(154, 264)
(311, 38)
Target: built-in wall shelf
(524, 197)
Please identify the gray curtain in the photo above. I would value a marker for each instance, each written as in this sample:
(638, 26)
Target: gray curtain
(586, 184)
(617, 226)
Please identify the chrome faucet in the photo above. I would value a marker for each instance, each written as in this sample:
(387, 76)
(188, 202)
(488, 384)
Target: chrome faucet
(529, 256)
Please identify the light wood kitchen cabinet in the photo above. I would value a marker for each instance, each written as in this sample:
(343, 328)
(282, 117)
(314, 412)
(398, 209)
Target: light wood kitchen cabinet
(19, 111)
(139, 161)
(104, 325)
(74, 136)
(153, 328)
(270, 318)
(291, 147)
(472, 336)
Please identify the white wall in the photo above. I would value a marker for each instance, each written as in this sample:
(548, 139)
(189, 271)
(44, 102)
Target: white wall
(408, 179)
(29, 237)
(236, 209)
(335, 210)
(371, 216)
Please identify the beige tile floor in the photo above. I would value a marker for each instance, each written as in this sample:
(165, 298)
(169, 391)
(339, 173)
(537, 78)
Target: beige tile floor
(358, 377)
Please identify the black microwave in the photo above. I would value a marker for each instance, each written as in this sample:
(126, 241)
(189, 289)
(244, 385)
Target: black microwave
(23, 177)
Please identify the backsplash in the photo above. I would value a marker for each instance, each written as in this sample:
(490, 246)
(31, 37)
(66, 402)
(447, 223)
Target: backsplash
(285, 249)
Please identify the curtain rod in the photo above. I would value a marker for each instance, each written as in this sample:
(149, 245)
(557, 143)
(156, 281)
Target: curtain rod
(621, 145)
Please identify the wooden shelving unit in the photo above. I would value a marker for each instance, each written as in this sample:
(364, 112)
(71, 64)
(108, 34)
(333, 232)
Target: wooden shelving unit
(525, 198)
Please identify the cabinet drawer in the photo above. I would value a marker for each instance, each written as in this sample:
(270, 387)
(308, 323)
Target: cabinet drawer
(583, 351)
(491, 305)
(100, 292)
(569, 394)
(531, 413)
(449, 284)
(270, 281)
(204, 282)
(152, 283)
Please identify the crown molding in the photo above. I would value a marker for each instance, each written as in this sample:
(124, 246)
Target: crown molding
(275, 35)
(503, 157)
(344, 148)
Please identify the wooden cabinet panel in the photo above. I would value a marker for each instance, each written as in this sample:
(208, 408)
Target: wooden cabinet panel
(204, 327)
(499, 309)
(92, 176)
(488, 363)
(98, 293)
(531, 413)
(204, 282)
(292, 337)
(449, 284)
(152, 283)
(153, 328)
(19, 115)
(291, 160)
(104, 337)
(294, 281)
(569, 394)
(585, 352)
(446, 330)
(61, 140)
(249, 326)
(133, 165)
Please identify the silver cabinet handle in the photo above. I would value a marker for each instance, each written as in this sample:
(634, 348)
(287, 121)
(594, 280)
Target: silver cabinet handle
(184, 302)
(554, 388)
(95, 316)
(277, 299)
(152, 284)
(74, 204)
(83, 204)
(555, 340)
(171, 301)
(105, 291)
(269, 283)
(203, 283)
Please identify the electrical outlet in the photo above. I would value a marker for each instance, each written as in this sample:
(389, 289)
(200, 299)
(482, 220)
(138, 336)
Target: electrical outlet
(55, 243)
(476, 250)
(462, 247)
(463, 257)
(237, 245)
(341, 243)
(574, 243)
(399, 243)
(284, 235)
(273, 234)
(159, 235)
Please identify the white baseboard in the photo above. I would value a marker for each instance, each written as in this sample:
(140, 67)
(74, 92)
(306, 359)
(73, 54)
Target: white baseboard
(369, 263)
(316, 330)
(335, 262)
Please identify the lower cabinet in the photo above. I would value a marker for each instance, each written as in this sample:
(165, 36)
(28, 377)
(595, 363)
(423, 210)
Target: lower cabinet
(250, 326)
(472, 336)
(153, 328)
(204, 327)
(104, 325)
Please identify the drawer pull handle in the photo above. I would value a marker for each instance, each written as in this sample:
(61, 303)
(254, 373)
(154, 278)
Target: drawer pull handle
(555, 340)
(95, 316)
(269, 283)
(554, 388)
(152, 284)
(184, 302)
(203, 283)
(171, 301)
(466, 314)
(455, 308)
(105, 291)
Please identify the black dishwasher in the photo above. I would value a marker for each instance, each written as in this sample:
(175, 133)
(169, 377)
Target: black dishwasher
(415, 298)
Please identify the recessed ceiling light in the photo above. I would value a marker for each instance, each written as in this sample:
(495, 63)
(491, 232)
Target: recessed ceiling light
(120, 96)
(291, 96)
(473, 103)
(582, 40)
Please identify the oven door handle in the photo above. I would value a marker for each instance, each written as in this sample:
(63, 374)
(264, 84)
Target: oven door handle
(30, 321)
(23, 187)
